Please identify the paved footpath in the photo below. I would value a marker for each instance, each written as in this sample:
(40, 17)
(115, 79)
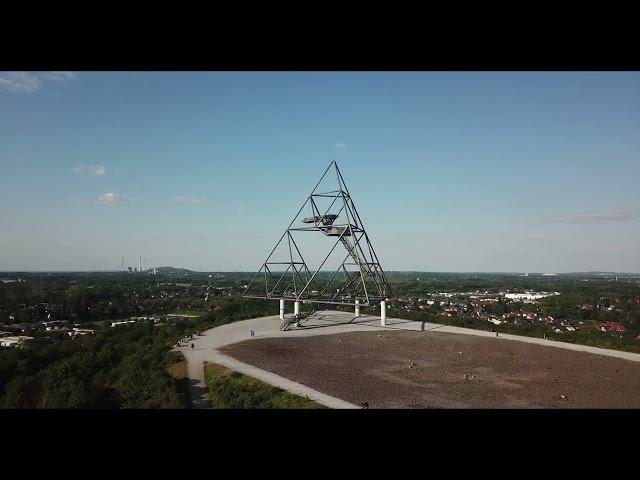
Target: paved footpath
(207, 345)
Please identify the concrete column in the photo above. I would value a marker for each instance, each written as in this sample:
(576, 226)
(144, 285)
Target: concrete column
(383, 313)
(357, 308)
(296, 308)
(282, 309)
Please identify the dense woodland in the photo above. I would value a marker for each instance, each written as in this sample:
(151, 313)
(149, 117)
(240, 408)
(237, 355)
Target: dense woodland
(121, 367)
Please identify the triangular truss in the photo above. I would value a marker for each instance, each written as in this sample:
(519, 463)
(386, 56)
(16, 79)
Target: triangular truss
(331, 218)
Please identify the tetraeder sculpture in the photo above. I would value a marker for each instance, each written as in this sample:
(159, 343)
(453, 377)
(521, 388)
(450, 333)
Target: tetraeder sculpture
(349, 274)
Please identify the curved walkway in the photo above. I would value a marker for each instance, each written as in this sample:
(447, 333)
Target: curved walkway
(207, 345)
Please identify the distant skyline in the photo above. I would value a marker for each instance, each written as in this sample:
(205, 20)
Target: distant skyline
(451, 172)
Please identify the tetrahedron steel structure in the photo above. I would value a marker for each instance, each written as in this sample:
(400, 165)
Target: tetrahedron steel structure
(349, 274)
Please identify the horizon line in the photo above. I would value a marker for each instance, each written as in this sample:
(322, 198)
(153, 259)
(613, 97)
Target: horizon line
(513, 272)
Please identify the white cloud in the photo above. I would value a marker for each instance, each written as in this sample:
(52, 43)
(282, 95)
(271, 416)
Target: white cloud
(189, 200)
(59, 76)
(97, 170)
(29, 82)
(21, 82)
(611, 216)
(341, 145)
(112, 199)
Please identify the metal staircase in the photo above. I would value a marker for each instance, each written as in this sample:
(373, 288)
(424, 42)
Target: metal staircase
(353, 252)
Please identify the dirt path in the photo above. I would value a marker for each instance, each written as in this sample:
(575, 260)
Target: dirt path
(447, 370)
(208, 348)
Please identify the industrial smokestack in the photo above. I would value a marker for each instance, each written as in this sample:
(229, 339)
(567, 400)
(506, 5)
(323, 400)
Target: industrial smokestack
(123, 264)
(140, 268)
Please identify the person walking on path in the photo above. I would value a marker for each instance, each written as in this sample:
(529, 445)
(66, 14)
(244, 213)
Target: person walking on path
(192, 346)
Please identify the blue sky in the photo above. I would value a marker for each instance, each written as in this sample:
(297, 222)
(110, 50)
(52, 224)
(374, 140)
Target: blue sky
(450, 171)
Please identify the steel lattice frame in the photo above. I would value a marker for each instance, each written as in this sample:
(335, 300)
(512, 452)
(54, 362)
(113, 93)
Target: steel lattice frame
(302, 285)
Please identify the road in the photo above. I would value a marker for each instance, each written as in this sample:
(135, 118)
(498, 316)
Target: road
(207, 345)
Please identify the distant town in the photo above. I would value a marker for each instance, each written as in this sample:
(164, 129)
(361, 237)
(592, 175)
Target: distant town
(39, 305)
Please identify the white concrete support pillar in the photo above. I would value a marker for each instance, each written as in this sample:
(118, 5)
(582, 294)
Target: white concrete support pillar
(282, 309)
(383, 313)
(357, 308)
(296, 308)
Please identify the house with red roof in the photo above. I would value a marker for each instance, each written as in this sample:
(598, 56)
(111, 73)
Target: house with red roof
(610, 327)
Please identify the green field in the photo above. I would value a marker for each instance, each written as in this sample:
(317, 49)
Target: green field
(229, 389)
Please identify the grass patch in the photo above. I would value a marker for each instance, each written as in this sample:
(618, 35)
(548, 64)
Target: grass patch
(179, 371)
(229, 389)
